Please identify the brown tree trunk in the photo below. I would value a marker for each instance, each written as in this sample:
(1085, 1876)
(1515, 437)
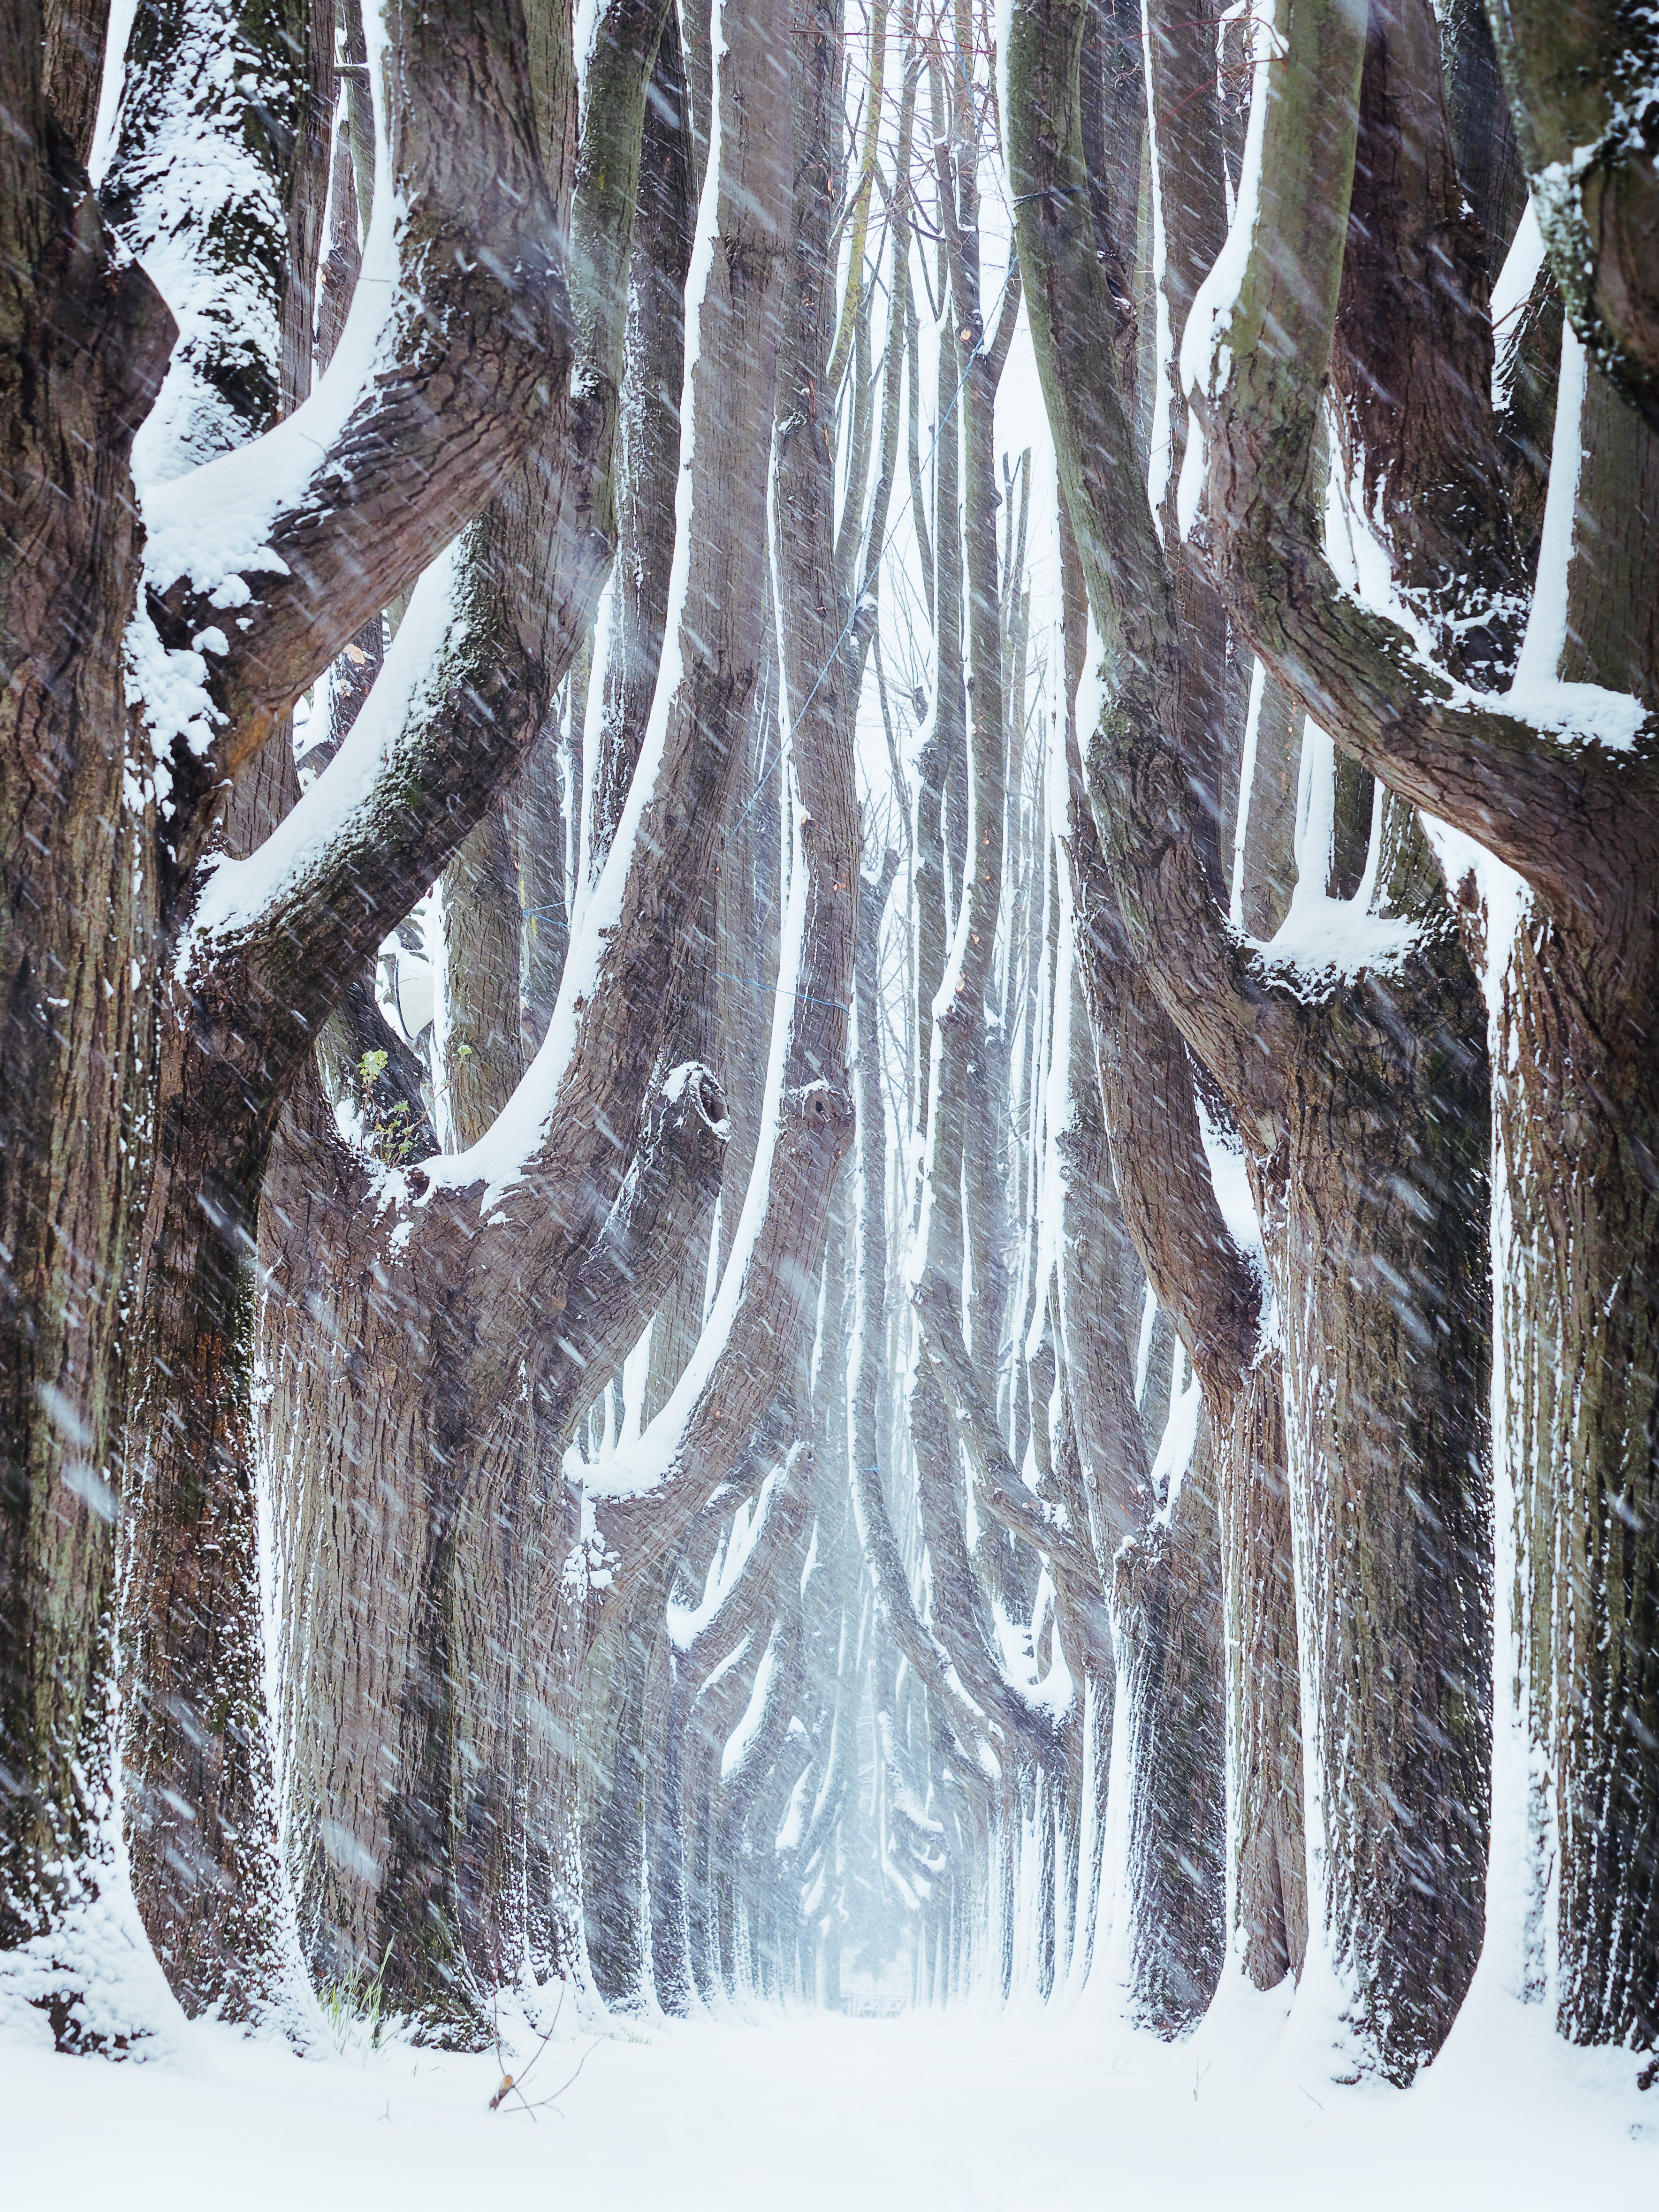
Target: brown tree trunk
(477, 1674)
(74, 66)
(481, 1051)
(1576, 1402)
(195, 1746)
(1166, 1621)
(618, 1749)
(650, 438)
(1267, 1874)
(1575, 820)
(1578, 1557)
(1375, 1266)
(1170, 1211)
(83, 341)
(1572, 77)
(239, 1028)
(1391, 1514)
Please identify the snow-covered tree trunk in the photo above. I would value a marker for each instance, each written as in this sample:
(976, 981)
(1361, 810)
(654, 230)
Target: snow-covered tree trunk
(522, 593)
(1575, 1403)
(1574, 820)
(1199, 1275)
(1267, 1869)
(1577, 81)
(83, 341)
(194, 1742)
(1384, 1353)
(486, 1668)
(1575, 1400)
(1385, 1540)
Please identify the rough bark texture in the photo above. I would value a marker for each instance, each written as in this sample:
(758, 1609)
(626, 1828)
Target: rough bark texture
(1577, 821)
(1399, 1791)
(477, 1676)
(83, 340)
(481, 351)
(1578, 80)
(1577, 1401)
(1166, 1613)
(209, 177)
(1483, 135)
(1412, 364)
(481, 1047)
(435, 1580)
(650, 437)
(245, 1006)
(1167, 1207)
(1577, 1404)
(1150, 1387)
(1268, 1879)
(748, 1387)
(74, 66)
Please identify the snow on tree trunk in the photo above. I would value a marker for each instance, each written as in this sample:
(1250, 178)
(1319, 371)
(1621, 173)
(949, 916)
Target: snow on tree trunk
(83, 341)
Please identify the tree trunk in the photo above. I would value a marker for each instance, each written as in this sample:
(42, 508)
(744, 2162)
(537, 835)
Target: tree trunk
(1267, 1868)
(1377, 1246)
(481, 1050)
(478, 1665)
(1577, 1407)
(1575, 820)
(83, 341)
(1166, 1626)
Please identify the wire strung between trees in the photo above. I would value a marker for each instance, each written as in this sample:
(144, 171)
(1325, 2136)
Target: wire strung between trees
(778, 991)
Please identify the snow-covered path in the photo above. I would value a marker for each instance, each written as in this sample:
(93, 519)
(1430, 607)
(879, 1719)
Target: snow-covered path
(975, 2114)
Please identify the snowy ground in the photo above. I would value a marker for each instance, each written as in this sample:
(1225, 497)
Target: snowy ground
(982, 2112)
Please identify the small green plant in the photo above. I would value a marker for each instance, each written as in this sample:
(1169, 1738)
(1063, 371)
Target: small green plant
(355, 2008)
(390, 1133)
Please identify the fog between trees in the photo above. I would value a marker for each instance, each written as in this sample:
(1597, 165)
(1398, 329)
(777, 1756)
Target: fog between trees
(831, 928)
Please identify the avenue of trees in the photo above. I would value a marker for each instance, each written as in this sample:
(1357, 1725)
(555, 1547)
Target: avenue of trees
(828, 960)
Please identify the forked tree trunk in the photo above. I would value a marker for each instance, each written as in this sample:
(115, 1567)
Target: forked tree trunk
(1168, 1209)
(1575, 820)
(240, 1023)
(472, 1663)
(198, 1794)
(1387, 1071)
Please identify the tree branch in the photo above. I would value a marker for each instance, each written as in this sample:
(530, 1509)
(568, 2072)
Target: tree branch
(1580, 84)
(1048, 1528)
(1145, 775)
(771, 1289)
(1573, 816)
(672, 1179)
(470, 367)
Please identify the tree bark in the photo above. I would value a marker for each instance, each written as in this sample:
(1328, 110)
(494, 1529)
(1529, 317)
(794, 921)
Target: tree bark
(578, 1250)
(74, 66)
(650, 435)
(1577, 821)
(1384, 1542)
(83, 342)
(1166, 1616)
(1575, 80)
(259, 982)
(479, 354)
